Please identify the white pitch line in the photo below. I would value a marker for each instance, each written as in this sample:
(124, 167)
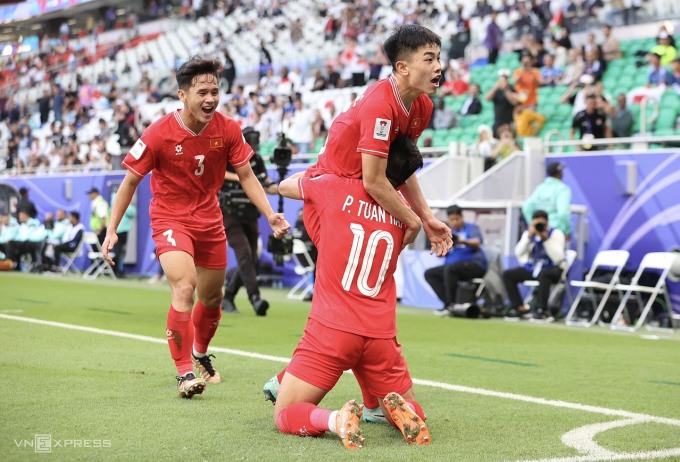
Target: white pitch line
(646, 455)
(427, 383)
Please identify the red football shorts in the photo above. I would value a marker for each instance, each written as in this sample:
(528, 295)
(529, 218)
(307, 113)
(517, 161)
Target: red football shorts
(323, 354)
(207, 246)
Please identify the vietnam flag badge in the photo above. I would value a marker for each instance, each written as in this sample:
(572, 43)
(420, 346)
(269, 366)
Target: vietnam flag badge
(216, 143)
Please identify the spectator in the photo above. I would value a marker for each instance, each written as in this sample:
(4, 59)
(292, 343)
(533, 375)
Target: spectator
(527, 80)
(265, 59)
(591, 123)
(553, 197)
(541, 254)
(9, 226)
(228, 71)
(574, 68)
(504, 100)
(506, 144)
(577, 92)
(550, 74)
(657, 71)
(465, 261)
(29, 239)
(611, 48)
(485, 145)
(593, 66)
(494, 38)
(67, 243)
(673, 77)
(99, 214)
(472, 104)
(665, 49)
(455, 84)
(621, 118)
(442, 116)
(44, 106)
(656, 81)
(528, 122)
(299, 127)
(559, 53)
(24, 204)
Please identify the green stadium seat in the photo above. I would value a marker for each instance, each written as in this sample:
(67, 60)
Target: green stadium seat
(666, 118)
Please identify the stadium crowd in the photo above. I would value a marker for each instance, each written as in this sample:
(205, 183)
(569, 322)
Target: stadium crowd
(89, 125)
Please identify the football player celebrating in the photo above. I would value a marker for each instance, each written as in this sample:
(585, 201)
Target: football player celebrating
(188, 151)
(358, 141)
(359, 243)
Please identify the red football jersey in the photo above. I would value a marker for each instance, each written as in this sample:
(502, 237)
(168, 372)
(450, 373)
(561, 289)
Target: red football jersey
(369, 125)
(188, 168)
(359, 243)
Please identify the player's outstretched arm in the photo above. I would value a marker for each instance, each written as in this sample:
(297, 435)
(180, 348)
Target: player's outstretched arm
(252, 187)
(289, 187)
(120, 204)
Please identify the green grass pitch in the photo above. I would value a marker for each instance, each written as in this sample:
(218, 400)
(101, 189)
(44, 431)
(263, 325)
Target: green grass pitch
(492, 390)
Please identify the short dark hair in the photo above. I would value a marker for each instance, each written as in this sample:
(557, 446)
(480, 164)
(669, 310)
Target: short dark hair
(23, 191)
(407, 39)
(403, 160)
(186, 73)
(539, 214)
(454, 210)
(75, 215)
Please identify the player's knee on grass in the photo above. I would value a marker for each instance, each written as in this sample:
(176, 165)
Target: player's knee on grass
(296, 420)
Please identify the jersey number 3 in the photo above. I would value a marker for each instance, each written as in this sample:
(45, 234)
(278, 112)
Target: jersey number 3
(201, 166)
(367, 260)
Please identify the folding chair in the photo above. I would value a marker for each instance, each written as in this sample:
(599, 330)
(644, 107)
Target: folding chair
(606, 259)
(99, 266)
(658, 262)
(557, 289)
(70, 258)
(304, 267)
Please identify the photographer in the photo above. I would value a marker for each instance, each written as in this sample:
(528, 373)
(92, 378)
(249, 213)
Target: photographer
(541, 252)
(240, 222)
(465, 261)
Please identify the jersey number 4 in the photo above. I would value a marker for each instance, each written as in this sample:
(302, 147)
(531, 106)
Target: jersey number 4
(367, 260)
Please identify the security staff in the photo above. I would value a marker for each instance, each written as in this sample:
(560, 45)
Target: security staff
(240, 222)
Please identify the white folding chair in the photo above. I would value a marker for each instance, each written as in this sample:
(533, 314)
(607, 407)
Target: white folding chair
(657, 262)
(70, 258)
(604, 260)
(99, 266)
(304, 267)
(558, 288)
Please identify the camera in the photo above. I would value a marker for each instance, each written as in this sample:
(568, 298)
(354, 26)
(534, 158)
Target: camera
(540, 227)
(282, 152)
(454, 238)
(280, 248)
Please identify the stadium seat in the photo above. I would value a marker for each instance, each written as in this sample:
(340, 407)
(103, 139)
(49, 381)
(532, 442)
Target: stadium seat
(557, 290)
(611, 261)
(304, 267)
(70, 258)
(99, 266)
(659, 263)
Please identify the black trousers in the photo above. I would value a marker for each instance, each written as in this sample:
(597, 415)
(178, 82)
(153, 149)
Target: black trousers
(546, 278)
(242, 236)
(119, 251)
(493, 55)
(444, 279)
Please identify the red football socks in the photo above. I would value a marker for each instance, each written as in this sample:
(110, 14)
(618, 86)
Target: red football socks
(206, 320)
(303, 419)
(180, 335)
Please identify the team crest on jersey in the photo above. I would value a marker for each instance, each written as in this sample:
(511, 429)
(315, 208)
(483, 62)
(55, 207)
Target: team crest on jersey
(382, 129)
(216, 143)
(138, 149)
(178, 150)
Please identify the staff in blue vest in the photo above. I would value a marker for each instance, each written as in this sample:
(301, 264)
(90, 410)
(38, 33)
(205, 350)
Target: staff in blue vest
(464, 261)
